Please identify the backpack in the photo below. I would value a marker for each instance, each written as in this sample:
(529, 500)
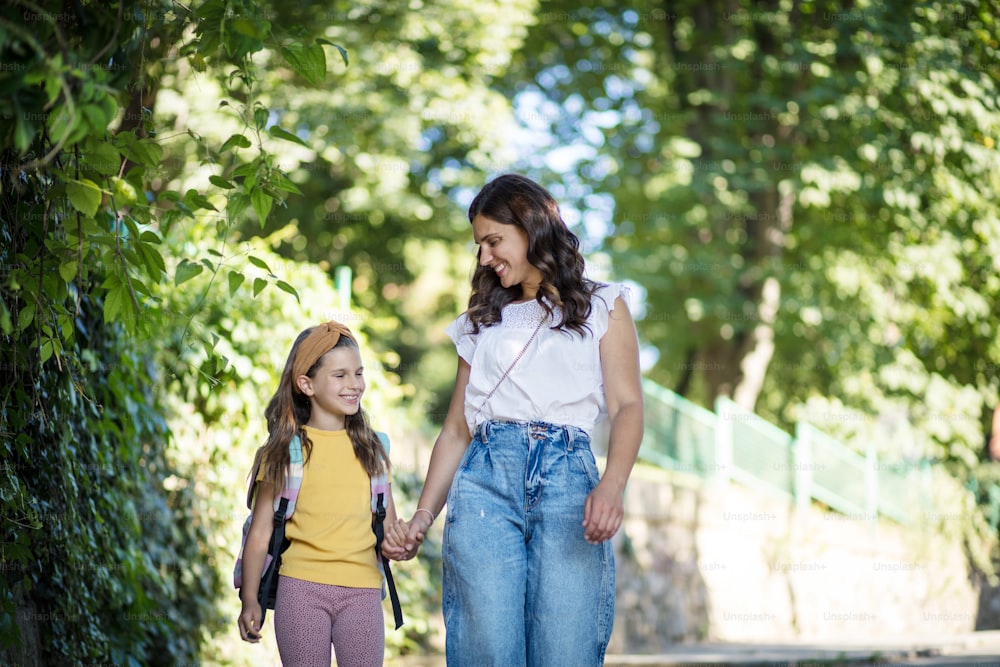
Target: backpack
(284, 505)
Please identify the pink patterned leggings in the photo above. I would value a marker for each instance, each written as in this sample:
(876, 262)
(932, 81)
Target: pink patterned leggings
(309, 617)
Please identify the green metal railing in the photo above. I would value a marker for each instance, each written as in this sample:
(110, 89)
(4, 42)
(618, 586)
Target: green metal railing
(732, 443)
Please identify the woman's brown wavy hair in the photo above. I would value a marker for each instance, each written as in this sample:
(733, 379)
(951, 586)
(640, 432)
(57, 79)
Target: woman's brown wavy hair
(553, 249)
(289, 410)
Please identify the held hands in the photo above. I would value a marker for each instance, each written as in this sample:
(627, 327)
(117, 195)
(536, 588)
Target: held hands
(395, 538)
(602, 513)
(403, 538)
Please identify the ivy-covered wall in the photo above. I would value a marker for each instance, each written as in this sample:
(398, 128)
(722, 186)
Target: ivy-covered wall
(106, 550)
(138, 345)
(100, 561)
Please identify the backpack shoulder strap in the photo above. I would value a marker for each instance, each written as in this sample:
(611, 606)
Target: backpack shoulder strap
(380, 482)
(293, 480)
(380, 493)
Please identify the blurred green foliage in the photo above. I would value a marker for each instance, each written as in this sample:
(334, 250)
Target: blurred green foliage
(803, 192)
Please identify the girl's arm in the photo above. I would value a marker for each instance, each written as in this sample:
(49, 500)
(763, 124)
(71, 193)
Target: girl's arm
(449, 447)
(254, 554)
(605, 506)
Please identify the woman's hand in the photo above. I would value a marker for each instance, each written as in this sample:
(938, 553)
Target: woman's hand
(419, 525)
(603, 513)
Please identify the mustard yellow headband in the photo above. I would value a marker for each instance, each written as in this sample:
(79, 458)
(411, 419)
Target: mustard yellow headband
(320, 340)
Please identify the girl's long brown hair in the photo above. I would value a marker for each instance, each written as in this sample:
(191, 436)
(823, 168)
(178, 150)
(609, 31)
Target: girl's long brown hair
(553, 249)
(289, 410)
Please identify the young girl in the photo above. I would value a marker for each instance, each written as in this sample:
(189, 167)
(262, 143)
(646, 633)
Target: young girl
(330, 586)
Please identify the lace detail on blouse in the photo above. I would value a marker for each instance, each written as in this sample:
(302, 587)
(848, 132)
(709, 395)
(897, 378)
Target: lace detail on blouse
(525, 315)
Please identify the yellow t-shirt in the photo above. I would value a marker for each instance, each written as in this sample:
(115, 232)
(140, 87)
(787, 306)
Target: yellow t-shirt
(331, 528)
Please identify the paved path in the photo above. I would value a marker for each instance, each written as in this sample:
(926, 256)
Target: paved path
(974, 649)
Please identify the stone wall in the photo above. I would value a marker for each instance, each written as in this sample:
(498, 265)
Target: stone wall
(707, 562)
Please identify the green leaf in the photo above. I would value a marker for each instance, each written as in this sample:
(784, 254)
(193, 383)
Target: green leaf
(25, 317)
(343, 51)
(5, 325)
(123, 191)
(285, 287)
(260, 117)
(280, 182)
(308, 61)
(198, 62)
(195, 200)
(259, 263)
(235, 280)
(67, 271)
(281, 133)
(46, 351)
(185, 271)
(220, 182)
(237, 140)
(245, 170)
(65, 126)
(258, 285)
(24, 130)
(129, 315)
(262, 203)
(113, 302)
(103, 158)
(152, 258)
(236, 205)
(84, 195)
(141, 151)
(97, 116)
(169, 195)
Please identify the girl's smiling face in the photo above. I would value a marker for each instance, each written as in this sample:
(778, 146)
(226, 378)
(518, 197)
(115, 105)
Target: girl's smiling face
(335, 389)
(504, 248)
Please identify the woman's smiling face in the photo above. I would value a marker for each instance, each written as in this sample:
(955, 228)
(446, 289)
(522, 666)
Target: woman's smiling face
(504, 248)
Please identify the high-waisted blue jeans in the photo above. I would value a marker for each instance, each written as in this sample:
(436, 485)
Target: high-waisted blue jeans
(521, 585)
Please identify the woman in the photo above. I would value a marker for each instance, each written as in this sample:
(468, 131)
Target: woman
(543, 352)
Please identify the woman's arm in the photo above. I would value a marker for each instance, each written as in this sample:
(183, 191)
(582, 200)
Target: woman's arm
(605, 506)
(449, 447)
(254, 554)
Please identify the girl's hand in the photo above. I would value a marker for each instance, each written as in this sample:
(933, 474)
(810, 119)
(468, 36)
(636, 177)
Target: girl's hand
(250, 621)
(393, 542)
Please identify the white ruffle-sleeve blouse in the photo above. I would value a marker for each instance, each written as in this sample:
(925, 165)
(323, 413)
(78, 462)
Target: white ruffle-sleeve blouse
(558, 380)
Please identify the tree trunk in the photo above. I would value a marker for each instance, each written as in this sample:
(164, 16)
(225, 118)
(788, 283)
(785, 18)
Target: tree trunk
(733, 359)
